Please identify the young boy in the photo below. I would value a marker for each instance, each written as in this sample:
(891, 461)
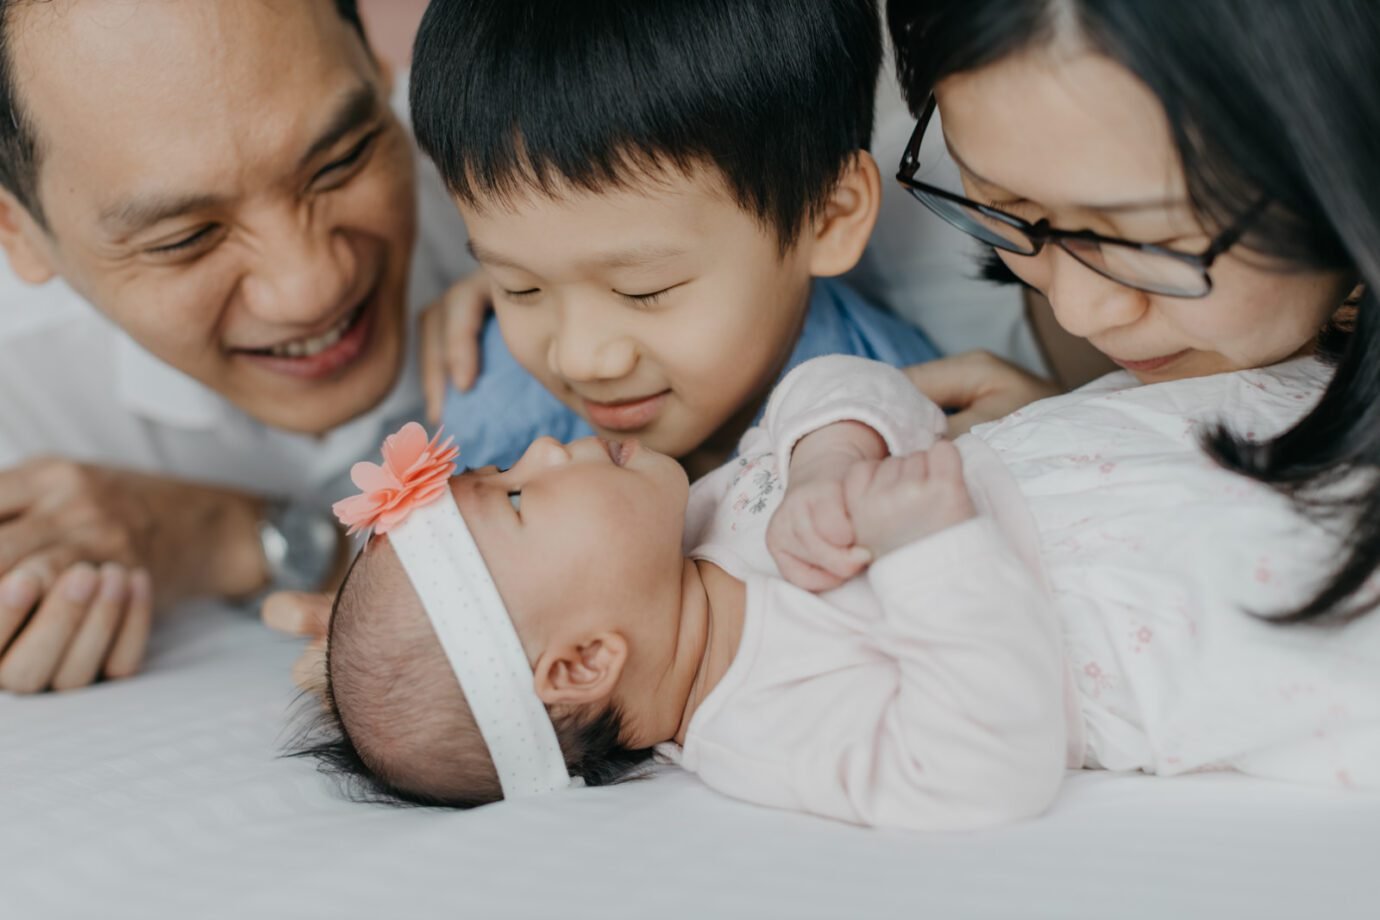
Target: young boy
(651, 189)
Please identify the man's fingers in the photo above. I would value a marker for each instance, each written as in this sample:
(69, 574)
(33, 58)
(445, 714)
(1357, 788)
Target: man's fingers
(81, 663)
(467, 306)
(30, 661)
(23, 537)
(17, 490)
(433, 357)
(19, 592)
(298, 613)
(127, 652)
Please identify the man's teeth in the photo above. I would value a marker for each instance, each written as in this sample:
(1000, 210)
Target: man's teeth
(305, 348)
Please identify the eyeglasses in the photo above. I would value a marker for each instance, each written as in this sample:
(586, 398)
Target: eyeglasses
(1143, 266)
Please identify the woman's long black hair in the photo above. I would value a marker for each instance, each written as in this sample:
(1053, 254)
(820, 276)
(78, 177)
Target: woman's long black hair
(1279, 98)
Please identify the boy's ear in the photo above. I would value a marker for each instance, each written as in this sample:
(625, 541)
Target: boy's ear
(842, 231)
(23, 241)
(581, 674)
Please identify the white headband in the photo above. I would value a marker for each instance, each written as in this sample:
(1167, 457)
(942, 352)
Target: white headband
(469, 617)
(410, 500)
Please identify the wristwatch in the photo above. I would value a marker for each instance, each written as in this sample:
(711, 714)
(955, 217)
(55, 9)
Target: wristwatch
(301, 544)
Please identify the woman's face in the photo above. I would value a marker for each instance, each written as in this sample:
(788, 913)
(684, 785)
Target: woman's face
(1075, 138)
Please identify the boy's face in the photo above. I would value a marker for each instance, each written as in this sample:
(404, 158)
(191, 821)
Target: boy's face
(657, 311)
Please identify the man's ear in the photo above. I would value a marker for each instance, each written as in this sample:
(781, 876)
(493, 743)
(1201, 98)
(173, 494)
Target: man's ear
(24, 241)
(842, 231)
(580, 674)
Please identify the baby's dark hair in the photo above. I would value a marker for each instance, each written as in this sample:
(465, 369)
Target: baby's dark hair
(777, 95)
(395, 727)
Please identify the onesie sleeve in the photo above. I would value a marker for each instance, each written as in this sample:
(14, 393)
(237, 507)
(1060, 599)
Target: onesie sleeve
(975, 734)
(843, 388)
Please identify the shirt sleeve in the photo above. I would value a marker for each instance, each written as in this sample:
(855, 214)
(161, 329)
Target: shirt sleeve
(839, 388)
(975, 734)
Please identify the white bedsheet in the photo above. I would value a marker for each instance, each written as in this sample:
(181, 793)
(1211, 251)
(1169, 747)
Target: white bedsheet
(163, 797)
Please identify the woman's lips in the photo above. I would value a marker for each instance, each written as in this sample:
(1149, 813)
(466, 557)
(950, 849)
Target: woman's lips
(1150, 364)
(627, 415)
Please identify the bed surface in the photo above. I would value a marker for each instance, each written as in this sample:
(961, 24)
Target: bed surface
(164, 797)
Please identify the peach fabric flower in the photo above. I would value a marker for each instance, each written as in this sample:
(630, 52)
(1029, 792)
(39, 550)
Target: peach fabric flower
(415, 473)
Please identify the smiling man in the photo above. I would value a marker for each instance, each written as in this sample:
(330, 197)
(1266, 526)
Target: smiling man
(218, 209)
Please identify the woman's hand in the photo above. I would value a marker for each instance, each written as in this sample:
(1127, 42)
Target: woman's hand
(981, 386)
(450, 330)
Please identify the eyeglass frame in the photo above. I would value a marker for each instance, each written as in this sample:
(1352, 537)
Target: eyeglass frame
(1042, 233)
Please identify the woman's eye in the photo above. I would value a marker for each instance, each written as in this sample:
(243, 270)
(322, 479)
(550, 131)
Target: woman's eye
(185, 244)
(334, 172)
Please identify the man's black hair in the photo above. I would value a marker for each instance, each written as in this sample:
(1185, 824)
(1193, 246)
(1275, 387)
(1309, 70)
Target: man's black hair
(19, 155)
(777, 95)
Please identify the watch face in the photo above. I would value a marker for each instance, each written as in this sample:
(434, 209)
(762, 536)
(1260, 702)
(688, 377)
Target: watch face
(300, 544)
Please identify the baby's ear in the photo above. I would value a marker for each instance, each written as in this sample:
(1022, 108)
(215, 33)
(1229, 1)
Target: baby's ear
(581, 674)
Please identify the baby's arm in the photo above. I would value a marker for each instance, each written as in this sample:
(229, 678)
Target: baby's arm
(975, 732)
(826, 416)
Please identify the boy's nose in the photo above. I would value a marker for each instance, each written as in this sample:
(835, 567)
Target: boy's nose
(587, 348)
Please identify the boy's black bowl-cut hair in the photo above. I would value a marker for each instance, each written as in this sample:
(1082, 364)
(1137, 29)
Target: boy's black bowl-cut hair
(777, 95)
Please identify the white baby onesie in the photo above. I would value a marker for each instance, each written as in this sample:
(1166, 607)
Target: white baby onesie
(933, 691)
(927, 694)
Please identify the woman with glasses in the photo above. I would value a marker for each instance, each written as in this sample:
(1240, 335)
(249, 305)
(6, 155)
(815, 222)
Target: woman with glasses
(1194, 185)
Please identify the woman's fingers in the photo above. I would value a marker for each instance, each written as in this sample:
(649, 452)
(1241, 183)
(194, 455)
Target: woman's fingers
(81, 663)
(127, 652)
(29, 663)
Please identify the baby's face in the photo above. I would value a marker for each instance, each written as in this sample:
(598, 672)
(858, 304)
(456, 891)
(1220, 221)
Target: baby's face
(657, 311)
(590, 528)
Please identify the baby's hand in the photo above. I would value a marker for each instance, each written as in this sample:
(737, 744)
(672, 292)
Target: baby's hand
(899, 500)
(810, 535)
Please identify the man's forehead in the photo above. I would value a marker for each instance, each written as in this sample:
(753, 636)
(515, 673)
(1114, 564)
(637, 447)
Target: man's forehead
(118, 89)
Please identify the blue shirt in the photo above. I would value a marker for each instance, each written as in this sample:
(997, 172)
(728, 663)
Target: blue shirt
(508, 408)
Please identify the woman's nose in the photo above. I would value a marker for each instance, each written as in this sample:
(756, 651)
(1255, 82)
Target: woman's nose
(1086, 303)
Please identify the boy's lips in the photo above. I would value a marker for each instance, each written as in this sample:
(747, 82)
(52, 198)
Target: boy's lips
(626, 415)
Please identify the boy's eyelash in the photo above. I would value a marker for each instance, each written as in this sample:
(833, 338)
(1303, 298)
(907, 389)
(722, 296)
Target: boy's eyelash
(519, 295)
(651, 297)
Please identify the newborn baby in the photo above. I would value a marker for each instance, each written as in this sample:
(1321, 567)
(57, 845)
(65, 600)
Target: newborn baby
(871, 703)
(1077, 585)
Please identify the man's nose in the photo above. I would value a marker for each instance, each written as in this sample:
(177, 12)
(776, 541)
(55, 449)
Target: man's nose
(303, 274)
(1086, 303)
(590, 345)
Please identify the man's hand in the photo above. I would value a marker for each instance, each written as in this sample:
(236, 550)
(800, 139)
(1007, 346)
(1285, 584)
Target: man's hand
(810, 535)
(450, 330)
(301, 614)
(899, 500)
(981, 386)
(86, 552)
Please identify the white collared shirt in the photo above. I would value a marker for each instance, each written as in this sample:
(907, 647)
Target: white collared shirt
(72, 384)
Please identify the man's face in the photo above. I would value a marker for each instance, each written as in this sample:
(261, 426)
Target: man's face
(227, 183)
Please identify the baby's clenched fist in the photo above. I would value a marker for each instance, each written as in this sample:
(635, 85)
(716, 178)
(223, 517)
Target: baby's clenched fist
(898, 500)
